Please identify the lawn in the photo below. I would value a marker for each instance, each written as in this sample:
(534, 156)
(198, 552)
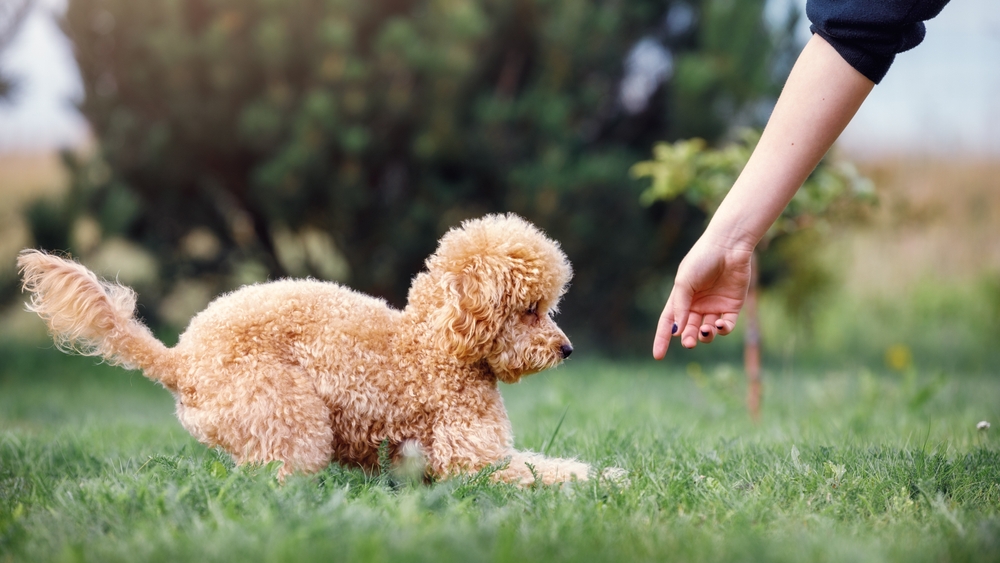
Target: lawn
(847, 465)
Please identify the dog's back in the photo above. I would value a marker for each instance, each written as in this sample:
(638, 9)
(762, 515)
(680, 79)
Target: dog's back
(338, 338)
(301, 321)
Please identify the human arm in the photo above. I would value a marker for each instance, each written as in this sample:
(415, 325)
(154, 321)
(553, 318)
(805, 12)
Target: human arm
(821, 95)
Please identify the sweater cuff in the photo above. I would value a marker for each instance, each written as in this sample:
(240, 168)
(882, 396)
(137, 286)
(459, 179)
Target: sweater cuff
(873, 66)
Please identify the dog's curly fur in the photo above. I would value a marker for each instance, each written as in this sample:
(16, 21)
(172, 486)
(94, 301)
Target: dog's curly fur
(308, 372)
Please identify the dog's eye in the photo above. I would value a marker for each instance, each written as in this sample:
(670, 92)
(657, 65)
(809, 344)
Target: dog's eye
(530, 315)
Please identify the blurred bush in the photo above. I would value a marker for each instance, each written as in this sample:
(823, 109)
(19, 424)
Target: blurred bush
(251, 139)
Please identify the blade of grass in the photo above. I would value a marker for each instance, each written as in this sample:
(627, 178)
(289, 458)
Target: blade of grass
(545, 448)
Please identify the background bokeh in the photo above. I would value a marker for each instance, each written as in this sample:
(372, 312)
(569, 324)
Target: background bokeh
(217, 143)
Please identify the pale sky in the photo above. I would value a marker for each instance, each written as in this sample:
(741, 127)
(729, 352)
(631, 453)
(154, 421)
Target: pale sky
(941, 98)
(42, 115)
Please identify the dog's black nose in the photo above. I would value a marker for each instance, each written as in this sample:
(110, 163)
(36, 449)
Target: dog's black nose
(566, 350)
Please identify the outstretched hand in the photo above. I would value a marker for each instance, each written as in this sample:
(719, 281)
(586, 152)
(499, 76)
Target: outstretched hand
(709, 291)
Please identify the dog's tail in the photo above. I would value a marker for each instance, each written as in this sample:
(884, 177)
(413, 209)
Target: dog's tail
(93, 317)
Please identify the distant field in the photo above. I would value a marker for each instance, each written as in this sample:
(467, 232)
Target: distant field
(937, 220)
(844, 466)
(23, 178)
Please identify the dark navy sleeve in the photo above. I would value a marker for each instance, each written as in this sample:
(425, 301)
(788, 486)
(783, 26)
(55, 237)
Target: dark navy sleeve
(869, 33)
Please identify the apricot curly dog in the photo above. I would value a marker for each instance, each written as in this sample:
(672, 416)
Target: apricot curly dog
(306, 372)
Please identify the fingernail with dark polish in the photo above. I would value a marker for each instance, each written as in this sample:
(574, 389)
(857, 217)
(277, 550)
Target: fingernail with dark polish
(704, 333)
(674, 331)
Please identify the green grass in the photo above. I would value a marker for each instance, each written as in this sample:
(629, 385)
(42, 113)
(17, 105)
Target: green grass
(843, 466)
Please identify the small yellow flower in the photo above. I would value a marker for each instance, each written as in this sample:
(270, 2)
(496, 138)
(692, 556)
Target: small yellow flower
(898, 357)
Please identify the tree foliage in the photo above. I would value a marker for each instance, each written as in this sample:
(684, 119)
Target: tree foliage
(239, 140)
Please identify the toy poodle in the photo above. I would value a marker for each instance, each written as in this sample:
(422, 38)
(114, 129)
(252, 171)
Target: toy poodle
(307, 372)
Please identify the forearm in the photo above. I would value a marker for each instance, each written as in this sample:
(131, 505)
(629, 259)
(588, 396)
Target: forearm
(822, 94)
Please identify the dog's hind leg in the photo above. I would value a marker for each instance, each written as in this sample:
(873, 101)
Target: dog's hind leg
(265, 412)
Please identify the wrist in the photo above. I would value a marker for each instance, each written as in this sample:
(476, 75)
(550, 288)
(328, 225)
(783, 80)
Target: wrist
(731, 235)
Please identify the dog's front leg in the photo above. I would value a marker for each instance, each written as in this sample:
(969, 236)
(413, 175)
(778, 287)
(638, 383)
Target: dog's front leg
(468, 438)
(525, 468)
(463, 448)
(464, 445)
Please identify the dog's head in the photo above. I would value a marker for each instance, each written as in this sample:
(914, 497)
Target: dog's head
(489, 293)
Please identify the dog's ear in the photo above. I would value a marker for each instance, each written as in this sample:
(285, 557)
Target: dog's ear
(469, 321)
